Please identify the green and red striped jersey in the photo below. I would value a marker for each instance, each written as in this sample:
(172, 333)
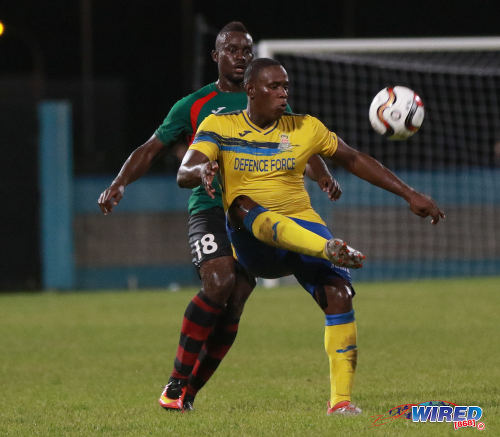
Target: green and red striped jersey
(183, 120)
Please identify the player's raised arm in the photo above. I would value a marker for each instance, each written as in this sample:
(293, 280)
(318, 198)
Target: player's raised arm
(196, 169)
(136, 165)
(371, 170)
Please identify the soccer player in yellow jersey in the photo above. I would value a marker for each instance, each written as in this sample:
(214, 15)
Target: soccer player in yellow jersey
(261, 153)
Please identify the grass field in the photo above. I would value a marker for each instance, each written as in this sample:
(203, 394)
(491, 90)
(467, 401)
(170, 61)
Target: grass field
(95, 363)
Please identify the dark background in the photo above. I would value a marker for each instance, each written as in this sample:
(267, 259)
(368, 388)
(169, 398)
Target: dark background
(145, 48)
(138, 59)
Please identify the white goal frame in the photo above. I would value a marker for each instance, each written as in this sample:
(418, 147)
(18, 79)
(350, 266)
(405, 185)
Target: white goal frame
(269, 47)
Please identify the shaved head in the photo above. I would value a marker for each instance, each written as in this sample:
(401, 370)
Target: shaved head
(233, 26)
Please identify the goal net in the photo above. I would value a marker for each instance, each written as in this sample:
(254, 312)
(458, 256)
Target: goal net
(455, 157)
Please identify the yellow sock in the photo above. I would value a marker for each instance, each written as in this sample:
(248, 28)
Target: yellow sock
(280, 231)
(340, 346)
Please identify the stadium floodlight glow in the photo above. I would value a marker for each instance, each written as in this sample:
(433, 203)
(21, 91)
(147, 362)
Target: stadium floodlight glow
(31, 42)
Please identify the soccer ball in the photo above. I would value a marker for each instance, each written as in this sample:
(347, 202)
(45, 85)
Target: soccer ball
(396, 112)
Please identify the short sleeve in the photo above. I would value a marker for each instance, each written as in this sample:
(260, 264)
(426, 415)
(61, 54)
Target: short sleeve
(176, 123)
(324, 140)
(207, 137)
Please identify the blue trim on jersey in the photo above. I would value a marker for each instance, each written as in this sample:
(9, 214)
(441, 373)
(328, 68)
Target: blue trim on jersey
(339, 319)
(252, 215)
(275, 126)
(249, 150)
(252, 126)
(239, 145)
(250, 144)
(205, 136)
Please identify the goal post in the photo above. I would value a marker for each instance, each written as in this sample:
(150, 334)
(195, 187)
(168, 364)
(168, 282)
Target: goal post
(455, 157)
(270, 48)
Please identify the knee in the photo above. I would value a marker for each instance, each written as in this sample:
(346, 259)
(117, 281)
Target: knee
(218, 287)
(243, 201)
(342, 294)
(239, 209)
(334, 299)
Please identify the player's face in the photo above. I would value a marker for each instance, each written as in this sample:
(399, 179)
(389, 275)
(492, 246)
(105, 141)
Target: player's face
(270, 92)
(233, 53)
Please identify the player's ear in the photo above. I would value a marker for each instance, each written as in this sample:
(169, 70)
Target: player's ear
(250, 90)
(215, 56)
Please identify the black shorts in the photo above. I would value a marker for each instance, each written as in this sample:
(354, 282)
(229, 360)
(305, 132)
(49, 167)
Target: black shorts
(207, 235)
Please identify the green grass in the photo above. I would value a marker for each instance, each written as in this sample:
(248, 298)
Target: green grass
(95, 363)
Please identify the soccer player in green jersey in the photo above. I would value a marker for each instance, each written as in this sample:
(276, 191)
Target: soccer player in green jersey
(211, 319)
(274, 230)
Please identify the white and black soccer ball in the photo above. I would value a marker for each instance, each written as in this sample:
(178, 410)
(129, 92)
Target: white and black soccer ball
(396, 112)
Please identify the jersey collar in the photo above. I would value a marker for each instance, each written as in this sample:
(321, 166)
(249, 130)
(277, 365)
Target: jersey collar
(256, 128)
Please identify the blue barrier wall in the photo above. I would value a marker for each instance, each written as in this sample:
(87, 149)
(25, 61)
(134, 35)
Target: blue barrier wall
(148, 194)
(56, 195)
(156, 194)
(450, 188)
(472, 194)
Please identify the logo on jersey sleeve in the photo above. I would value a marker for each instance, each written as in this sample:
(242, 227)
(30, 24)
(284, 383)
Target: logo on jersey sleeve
(219, 109)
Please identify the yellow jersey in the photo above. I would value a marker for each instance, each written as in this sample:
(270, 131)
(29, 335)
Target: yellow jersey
(266, 165)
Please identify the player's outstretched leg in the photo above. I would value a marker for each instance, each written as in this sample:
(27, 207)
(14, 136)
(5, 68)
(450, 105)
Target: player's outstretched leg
(280, 231)
(340, 344)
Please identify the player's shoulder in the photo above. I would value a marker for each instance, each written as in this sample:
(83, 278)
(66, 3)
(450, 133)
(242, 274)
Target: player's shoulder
(218, 119)
(198, 94)
(298, 120)
(291, 114)
(209, 120)
(182, 108)
(230, 113)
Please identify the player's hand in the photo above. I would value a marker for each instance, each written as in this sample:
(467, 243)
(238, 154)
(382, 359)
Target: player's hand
(110, 197)
(424, 206)
(208, 172)
(330, 186)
